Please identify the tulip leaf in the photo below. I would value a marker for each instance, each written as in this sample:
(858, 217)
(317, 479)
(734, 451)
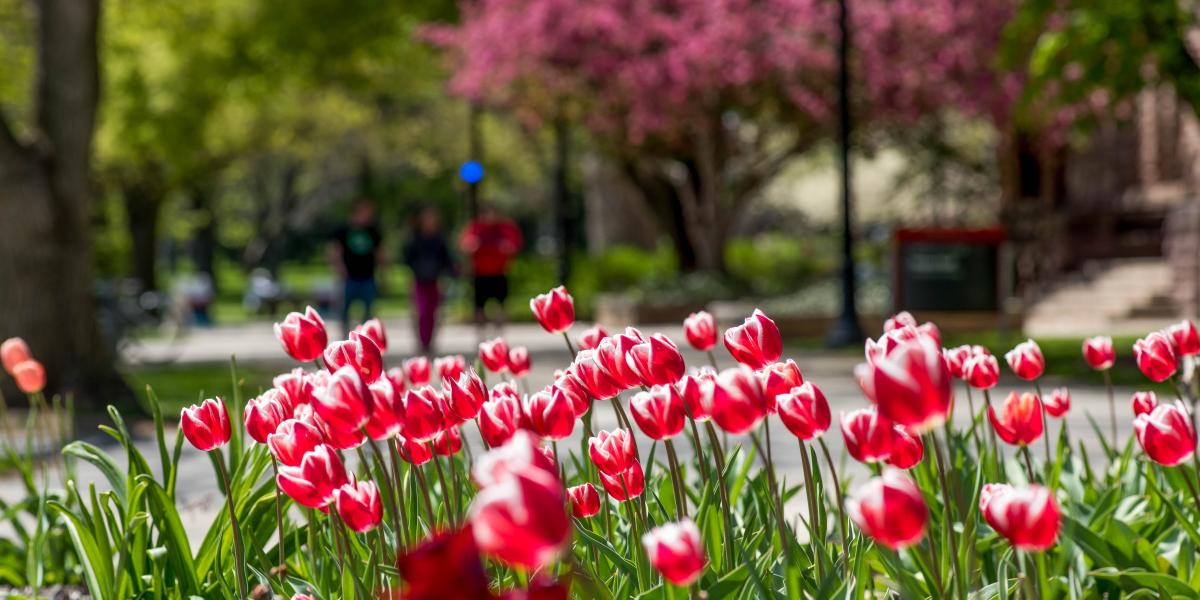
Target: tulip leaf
(1131, 580)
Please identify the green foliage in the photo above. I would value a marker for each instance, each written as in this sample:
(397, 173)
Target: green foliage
(778, 263)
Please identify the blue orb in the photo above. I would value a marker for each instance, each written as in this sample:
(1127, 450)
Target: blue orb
(471, 172)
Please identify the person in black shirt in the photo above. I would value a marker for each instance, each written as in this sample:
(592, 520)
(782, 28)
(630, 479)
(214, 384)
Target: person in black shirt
(429, 258)
(356, 252)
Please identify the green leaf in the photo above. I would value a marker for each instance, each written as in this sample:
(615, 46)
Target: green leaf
(1133, 580)
(95, 561)
(102, 461)
(179, 550)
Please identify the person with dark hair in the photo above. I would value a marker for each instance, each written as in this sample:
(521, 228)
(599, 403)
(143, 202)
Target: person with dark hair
(428, 256)
(356, 252)
(491, 240)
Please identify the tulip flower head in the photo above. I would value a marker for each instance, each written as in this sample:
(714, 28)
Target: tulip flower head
(1144, 402)
(554, 310)
(1166, 434)
(1026, 360)
(575, 390)
(899, 320)
(442, 564)
(303, 335)
(981, 371)
(804, 411)
(755, 342)
(292, 440)
(518, 361)
(359, 352)
(499, 418)
(1019, 421)
(612, 451)
(591, 337)
(1098, 352)
(779, 378)
(448, 368)
(313, 483)
(955, 357)
(1155, 356)
(1057, 402)
(1187, 342)
(13, 352)
(907, 451)
(869, 436)
(550, 414)
(384, 422)
(418, 371)
(494, 355)
(656, 361)
(423, 413)
(585, 500)
(676, 551)
(358, 505)
(520, 518)
(347, 402)
(296, 385)
(466, 394)
(30, 376)
(736, 401)
(611, 354)
(595, 378)
(658, 412)
(700, 328)
(1027, 517)
(626, 485)
(890, 509)
(373, 328)
(264, 414)
(520, 453)
(912, 385)
(414, 452)
(206, 425)
(691, 390)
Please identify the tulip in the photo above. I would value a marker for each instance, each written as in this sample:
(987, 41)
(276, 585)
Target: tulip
(264, 414)
(907, 451)
(612, 452)
(414, 452)
(599, 384)
(1057, 402)
(804, 411)
(591, 337)
(585, 500)
(395, 376)
(494, 355)
(1098, 352)
(656, 361)
(1026, 360)
(466, 394)
(1166, 434)
(384, 422)
(864, 377)
(338, 437)
(445, 566)
(450, 367)
(550, 414)
(890, 509)
(347, 403)
(358, 505)
(373, 329)
(755, 342)
(1019, 422)
(735, 400)
(625, 485)
(982, 371)
(779, 378)
(292, 440)
(302, 335)
(700, 328)
(691, 390)
(13, 352)
(518, 361)
(30, 376)
(302, 597)
(658, 412)
(554, 310)
(912, 386)
(1187, 342)
(930, 331)
(676, 551)
(295, 386)
(575, 390)
(610, 355)
(206, 425)
(1155, 355)
(358, 352)
(1144, 402)
(518, 454)
(899, 320)
(504, 389)
(418, 371)
(869, 436)
(423, 416)
(314, 482)
(499, 419)
(448, 442)
(956, 358)
(521, 520)
(1027, 517)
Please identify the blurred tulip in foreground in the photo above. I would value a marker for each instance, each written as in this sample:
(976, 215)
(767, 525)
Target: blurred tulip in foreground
(676, 551)
(890, 509)
(520, 453)
(521, 519)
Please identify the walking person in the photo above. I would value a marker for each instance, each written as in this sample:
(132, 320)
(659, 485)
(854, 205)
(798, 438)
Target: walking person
(427, 255)
(356, 253)
(491, 240)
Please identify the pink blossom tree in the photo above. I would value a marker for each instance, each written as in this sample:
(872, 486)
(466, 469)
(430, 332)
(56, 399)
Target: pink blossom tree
(701, 102)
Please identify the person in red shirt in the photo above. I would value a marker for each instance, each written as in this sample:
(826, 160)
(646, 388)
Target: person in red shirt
(491, 240)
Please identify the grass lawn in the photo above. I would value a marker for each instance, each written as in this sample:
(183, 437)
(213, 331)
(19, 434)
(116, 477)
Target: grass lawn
(177, 386)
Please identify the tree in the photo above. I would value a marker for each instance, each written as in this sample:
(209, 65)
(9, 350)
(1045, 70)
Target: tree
(704, 101)
(45, 208)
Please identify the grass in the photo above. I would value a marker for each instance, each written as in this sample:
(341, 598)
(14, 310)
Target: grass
(177, 386)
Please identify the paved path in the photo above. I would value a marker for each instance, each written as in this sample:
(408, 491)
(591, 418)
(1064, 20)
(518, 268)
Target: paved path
(197, 488)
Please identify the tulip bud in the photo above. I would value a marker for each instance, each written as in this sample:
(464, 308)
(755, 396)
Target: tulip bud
(347, 403)
(907, 451)
(585, 500)
(691, 390)
(518, 361)
(466, 393)
(295, 386)
(1155, 355)
(448, 442)
(13, 352)
(373, 329)
(656, 361)
(982, 371)
(1019, 422)
(206, 425)
(1027, 517)
(869, 436)
(912, 385)
(314, 482)
(414, 452)
(625, 485)
(658, 412)
(736, 400)
(302, 335)
(384, 422)
(292, 440)
(779, 378)
(550, 414)
(1144, 402)
(591, 337)
(612, 451)
(1026, 360)
(1166, 434)
(610, 355)
(423, 414)
(956, 358)
(264, 414)
(575, 390)
(358, 352)
(755, 342)
(599, 384)
(418, 371)
(358, 505)
(890, 509)
(499, 419)
(676, 551)
(899, 320)
(494, 355)
(804, 411)
(30, 376)
(521, 520)
(555, 310)
(1098, 352)
(700, 328)
(448, 368)
(1187, 342)
(1057, 402)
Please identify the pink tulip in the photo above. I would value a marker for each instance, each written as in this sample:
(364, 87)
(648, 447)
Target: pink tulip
(869, 436)
(518, 361)
(373, 329)
(314, 482)
(804, 411)
(264, 414)
(386, 411)
(1057, 402)
(735, 400)
(346, 404)
(1166, 434)
(907, 451)
(982, 371)
(466, 394)
(449, 368)
(591, 337)
(595, 378)
(611, 353)
(890, 509)
(625, 485)
(1026, 360)
(612, 452)
(358, 352)
(296, 386)
(521, 520)
(1027, 517)
(1155, 355)
(554, 310)
(13, 352)
(1019, 422)
(700, 328)
(755, 342)
(358, 505)
(779, 378)
(302, 335)
(912, 385)
(676, 551)
(520, 453)
(494, 355)
(1098, 352)
(691, 390)
(585, 500)
(656, 361)
(1187, 342)
(292, 440)
(658, 412)
(550, 414)
(30, 376)
(499, 419)
(1144, 402)
(423, 416)
(206, 425)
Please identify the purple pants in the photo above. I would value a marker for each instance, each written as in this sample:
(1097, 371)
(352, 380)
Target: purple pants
(426, 298)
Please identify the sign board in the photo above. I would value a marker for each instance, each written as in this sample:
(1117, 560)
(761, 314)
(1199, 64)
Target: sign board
(947, 269)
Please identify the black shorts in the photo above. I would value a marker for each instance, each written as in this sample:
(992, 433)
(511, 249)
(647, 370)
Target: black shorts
(490, 287)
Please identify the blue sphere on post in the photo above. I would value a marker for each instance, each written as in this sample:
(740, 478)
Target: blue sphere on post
(471, 172)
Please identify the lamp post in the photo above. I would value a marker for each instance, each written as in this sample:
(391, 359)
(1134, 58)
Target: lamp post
(846, 329)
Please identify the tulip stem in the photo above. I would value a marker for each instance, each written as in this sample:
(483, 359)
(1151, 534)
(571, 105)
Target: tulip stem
(782, 525)
(996, 451)
(971, 406)
(811, 493)
(712, 359)
(722, 492)
(279, 513)
(570, 346)
(340, 528)
(623, 419)
(1191, 485)
(700, 462)
(676, 479)
(634, 538)
(837, 490)
(424, 485)
(947, 511)
(1112, 406)
(387, 487)
(239, 557)
(935, 567)
(441, 475)
(1028, 464)
(1045, 423)
(402, 531)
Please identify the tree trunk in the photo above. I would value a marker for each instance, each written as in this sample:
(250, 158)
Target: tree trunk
(143, 197)
(204, 239)
(45, 209)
